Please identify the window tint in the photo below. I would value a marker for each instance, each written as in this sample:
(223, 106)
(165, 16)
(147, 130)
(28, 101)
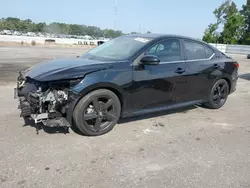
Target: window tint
(156, 48)
(194, 50)
(209, 51)
(152, 50)
(167, 50)
(160, 47)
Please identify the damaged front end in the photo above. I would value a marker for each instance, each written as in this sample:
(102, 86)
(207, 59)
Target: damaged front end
(46, 102)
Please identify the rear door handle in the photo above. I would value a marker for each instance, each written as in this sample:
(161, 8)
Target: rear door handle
(179, 71)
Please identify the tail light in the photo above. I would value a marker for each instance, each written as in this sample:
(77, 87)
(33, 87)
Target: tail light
(237, 65)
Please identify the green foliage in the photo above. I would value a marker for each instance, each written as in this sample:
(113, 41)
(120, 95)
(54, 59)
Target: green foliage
(220, 12)
(246, 13)
(210, 34)
(233, 22)
(233, 29)
(56, 28)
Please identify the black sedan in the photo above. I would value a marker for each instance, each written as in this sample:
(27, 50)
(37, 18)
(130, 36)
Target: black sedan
(127, 76)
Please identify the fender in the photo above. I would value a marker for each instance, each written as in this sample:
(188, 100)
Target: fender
(115, 80)
(225, 76)
(92, 81)
(93, 86)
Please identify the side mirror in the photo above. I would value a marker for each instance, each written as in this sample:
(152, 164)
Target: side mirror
(150, 60)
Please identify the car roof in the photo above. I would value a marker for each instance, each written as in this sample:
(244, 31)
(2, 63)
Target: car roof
(159, 35)
(155, 36)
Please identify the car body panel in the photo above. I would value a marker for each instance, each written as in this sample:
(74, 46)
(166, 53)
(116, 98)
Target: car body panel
(198, 75)
(157, 85)
(65, 69)
(118, 79)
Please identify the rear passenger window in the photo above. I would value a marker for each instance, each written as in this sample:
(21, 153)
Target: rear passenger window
(209, 51)
(194, 50)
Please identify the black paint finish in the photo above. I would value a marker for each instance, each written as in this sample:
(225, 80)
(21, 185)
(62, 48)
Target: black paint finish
(144, 87)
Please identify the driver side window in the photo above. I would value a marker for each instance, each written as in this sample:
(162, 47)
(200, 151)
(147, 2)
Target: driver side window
(155, 49)
(167, 50)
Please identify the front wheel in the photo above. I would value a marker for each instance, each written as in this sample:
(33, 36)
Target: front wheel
(97, 112)
(218, 95)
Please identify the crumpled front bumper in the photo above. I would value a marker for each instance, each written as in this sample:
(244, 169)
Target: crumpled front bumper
(47, 119)
(29, 103)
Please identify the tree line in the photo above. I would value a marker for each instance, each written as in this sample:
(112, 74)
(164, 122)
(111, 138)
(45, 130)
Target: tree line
(28, 25)
(232, 25)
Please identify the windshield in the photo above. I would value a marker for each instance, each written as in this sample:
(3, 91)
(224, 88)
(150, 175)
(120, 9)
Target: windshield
(117, 49)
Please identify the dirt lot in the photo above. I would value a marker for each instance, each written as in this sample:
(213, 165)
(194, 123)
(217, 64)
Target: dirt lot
(193, 147)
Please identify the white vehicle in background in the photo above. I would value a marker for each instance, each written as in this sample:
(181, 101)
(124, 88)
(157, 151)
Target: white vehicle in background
(7, 32)
(17, 33)
(31, 34)
(39, 34)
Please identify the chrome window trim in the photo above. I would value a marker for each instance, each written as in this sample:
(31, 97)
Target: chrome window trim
(182, 61)
(202, 59)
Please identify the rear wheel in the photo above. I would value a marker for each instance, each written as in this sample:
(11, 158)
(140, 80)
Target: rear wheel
(218, 94)
(97, 112)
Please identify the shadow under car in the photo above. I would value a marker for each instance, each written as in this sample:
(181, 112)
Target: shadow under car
(245, 76)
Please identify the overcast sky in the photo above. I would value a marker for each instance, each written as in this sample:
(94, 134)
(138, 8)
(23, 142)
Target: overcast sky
(185, 17)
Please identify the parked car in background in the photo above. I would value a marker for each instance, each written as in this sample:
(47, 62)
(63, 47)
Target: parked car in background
(17, 33)
(127, 76)
(7, 32)
(31, 34)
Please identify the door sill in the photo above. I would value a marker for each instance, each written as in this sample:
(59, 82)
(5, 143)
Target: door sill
(161, 108)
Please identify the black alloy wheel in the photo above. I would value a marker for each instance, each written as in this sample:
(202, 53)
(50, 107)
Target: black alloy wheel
(97, 113)
(218, 95)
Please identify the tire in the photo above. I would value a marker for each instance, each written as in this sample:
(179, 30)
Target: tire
(95, 108)
(218, 95)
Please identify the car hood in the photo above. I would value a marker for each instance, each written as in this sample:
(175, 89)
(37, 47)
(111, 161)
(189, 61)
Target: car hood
(60, 69)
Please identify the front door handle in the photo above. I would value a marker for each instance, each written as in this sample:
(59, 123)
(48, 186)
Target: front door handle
(179, 71)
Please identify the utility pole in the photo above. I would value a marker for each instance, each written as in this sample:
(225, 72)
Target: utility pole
(116, 6)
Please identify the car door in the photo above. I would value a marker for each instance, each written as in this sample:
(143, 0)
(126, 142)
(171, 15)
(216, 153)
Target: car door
(162, 84)
(198, 68)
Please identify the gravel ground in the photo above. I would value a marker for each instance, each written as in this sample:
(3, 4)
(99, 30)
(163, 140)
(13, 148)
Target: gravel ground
(192, 147)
